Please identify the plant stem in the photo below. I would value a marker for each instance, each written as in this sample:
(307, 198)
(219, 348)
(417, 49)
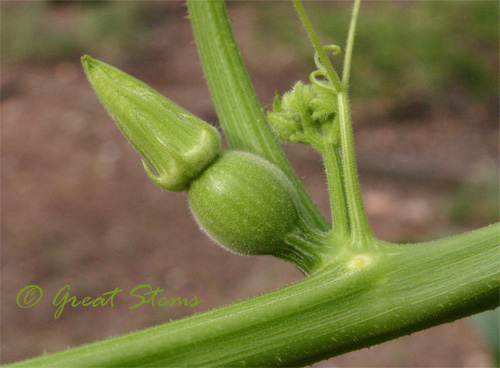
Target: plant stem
(349, 46)
(338, 205)
(344, 307)
(360, 228)
(241, 116)
(332, 76)
(307, 249)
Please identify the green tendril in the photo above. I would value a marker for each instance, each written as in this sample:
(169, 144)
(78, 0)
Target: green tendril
(317, 60)
(322, 72)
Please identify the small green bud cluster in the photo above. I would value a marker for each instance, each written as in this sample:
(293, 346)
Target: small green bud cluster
(240, 200)
(308, 113)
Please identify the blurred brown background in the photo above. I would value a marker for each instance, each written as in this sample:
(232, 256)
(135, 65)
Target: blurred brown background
(78, 210)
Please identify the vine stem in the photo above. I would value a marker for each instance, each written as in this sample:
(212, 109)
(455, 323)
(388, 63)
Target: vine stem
(360, 228)
(349, 46)
(361, 233)
(332, 76)
(340, 309)
(338, 205)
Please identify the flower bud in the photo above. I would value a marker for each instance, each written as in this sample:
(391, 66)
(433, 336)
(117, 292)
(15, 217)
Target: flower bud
(175, 143)
(306, 114)
(245, 203)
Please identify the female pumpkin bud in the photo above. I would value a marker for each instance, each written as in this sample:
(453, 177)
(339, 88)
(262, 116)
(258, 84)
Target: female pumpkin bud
(175, 143)
(240, 200)
(245, 203)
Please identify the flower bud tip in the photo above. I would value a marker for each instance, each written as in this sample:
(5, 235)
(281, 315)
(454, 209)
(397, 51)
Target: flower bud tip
(173, 142)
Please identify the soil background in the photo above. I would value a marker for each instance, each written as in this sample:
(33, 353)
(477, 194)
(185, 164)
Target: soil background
(78, 209)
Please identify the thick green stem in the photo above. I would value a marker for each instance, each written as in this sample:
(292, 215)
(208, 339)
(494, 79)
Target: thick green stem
(361, 300)
(240, 114)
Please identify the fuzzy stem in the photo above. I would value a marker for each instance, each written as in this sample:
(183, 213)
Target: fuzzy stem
(306, 247)
(338, 205)
(332, 76)
(360, 228)
(349, 46)
(362, 300)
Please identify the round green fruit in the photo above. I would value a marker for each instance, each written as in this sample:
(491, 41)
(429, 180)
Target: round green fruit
(244, 203)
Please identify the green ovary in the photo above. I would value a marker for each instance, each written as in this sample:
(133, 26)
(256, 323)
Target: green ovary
(244, 203)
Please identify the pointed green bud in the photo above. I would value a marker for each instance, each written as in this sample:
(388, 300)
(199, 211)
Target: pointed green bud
(173, 142)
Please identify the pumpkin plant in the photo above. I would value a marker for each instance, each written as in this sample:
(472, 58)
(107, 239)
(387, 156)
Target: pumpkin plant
(358, 290)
